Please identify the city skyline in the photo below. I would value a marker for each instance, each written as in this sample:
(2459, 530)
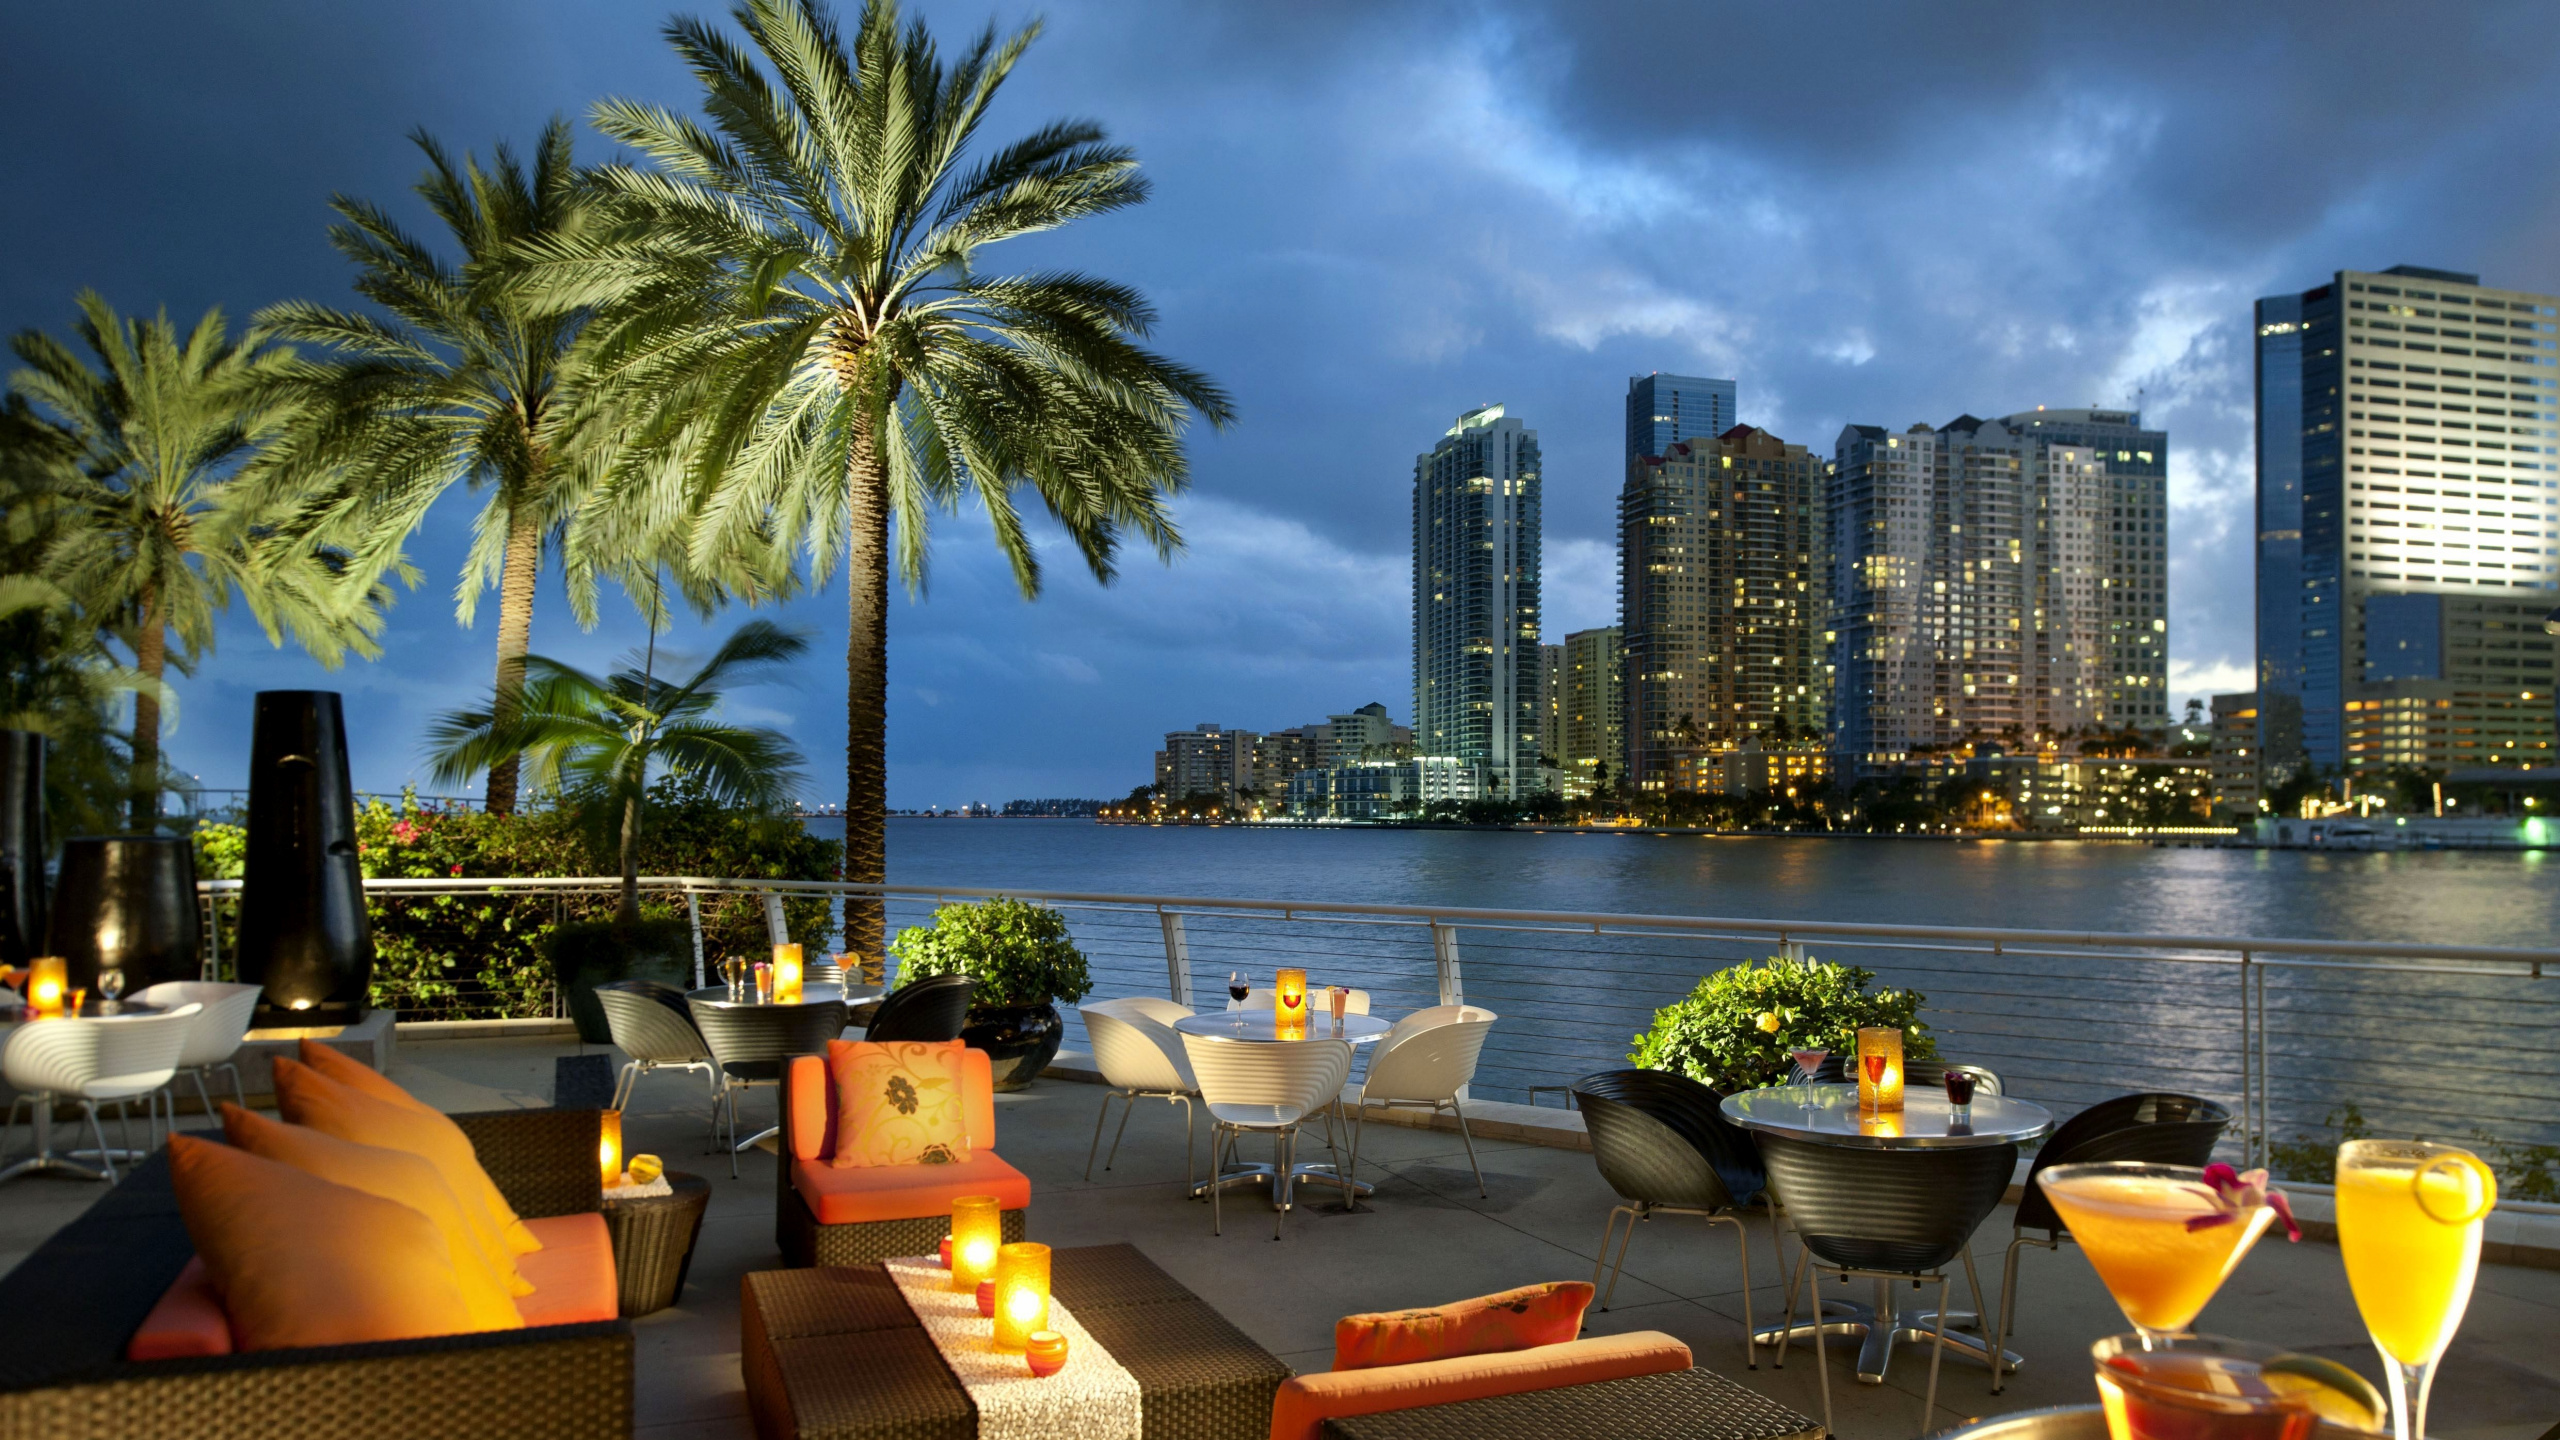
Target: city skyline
(1526, 236)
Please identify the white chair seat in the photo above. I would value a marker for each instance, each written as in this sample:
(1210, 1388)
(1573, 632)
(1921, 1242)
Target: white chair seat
(1256, 1117)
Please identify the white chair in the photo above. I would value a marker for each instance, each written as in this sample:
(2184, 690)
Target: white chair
(1141, 1058)
(114, 1058)
(1262, 997)
(212, 1039)
(1425, 1063)
(1264, 1089)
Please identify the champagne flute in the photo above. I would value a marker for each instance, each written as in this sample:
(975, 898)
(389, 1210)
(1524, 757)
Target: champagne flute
(2409, 1221)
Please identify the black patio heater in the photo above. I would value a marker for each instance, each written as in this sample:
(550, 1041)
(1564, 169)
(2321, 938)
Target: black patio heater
(22, 846)
(303, 932)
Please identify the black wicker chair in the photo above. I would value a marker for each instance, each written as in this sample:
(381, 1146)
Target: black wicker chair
(1662, 1142)
(753, 1043)
(1887, 1215)
(653, 1024)
(933, 1008)
(2155, 1127)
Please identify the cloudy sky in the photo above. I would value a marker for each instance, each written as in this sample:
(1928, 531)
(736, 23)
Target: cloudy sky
(1370, 217)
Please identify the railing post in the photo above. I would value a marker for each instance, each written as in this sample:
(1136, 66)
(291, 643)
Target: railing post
(1791, 950)
(774, 926)
(1177, 957)
(1444, 960)
(2258, 1013)
(693, 920)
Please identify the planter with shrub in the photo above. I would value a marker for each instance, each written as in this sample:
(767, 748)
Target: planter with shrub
(1735, 1031)
(1022, 960)
(589, 953)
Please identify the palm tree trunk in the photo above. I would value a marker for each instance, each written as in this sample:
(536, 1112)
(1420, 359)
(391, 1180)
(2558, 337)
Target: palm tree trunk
(151, 657)
(866, 748)
(516, 577)
(628, 914)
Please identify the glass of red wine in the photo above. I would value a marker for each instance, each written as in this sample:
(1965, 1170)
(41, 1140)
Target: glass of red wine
(1873, 1065)
(1237, 989)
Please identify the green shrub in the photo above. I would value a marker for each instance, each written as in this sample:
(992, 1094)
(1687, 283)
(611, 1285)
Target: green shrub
(1018, 953)
(1716, 1035)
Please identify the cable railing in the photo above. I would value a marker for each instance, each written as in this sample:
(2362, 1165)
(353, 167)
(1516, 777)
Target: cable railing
(2304, 1039)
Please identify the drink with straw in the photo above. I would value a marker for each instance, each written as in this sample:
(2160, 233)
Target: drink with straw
(2164, 1237)
(2409, 1222)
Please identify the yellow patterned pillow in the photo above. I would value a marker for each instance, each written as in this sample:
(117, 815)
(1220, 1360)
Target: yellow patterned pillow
(898, 1102)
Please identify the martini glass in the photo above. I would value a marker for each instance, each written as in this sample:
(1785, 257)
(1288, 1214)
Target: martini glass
(2137, 1223)
(1808, 1064)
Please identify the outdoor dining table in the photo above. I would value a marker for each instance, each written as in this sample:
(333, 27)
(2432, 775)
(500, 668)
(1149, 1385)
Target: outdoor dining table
(1262, 1027)
(1829, 1115)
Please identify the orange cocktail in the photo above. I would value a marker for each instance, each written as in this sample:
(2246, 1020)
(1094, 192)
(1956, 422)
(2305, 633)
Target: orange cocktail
(2163, 1237)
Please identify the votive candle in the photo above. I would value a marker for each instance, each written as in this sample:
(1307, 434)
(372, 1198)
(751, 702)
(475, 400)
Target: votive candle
(1022, 1294)
(977, 1229)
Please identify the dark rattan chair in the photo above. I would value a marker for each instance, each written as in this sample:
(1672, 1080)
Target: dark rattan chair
(1888, 1215)
(1662, 1142)
(752, 1042)
(653, 1024)
(933, 1008)
(2155, 1127)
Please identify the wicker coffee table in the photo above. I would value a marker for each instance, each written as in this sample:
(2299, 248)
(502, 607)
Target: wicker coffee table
(653, 1242)
(835, 1353)
(1676, 1405)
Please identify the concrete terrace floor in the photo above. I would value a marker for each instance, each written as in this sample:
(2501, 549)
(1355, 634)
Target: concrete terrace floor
(1426, 1237)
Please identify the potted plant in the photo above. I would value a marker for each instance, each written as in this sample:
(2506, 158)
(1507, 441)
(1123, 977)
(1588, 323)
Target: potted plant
(1022, 960)
(1735, 1031)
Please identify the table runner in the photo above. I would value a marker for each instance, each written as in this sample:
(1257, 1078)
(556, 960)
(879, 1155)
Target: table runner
(1092, 1398)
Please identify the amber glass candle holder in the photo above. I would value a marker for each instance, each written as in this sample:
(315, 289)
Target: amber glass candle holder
(609, 1149)
(786, 974)
(977, 1232)
(48, 979)
(1289, 995)
(1880, 1069)
(1022, 1294)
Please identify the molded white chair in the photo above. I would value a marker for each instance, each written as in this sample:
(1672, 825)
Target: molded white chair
(212, 1039)
(1253, 1088)
(1424, 1063)
(112, 1058)
(1262, 997)
(1140, 1056)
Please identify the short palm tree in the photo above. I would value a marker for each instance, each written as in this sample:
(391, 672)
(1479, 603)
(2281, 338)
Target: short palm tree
(154, 528)
(799, 284)
(598, 738)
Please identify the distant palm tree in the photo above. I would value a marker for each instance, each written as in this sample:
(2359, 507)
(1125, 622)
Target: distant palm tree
(153, 528)
(597, 738)
(800, 283)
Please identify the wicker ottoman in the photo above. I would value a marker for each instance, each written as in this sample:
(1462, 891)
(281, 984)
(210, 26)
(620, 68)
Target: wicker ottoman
(1678, 1405)
(834, 1352)
(653, 1241)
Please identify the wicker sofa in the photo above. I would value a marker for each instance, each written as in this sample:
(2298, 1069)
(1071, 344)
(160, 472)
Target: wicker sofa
(63, 1371)
(862, 1214)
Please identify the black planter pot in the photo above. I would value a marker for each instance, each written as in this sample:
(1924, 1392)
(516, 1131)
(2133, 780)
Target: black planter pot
(128, 902)
(587, 955)
(303, 930)
(1020, 1040)
(22, 846)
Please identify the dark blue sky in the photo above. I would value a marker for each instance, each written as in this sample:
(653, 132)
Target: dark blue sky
(1369, 218)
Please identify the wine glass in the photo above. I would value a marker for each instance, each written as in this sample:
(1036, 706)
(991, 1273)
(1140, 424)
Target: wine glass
(1237, 989)
(2409, 1221)
(110, 989)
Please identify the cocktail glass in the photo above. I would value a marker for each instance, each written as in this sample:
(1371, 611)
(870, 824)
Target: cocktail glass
(1808, 1064)
(2210, 1388)
(2409, 1222)
(2160, 1237)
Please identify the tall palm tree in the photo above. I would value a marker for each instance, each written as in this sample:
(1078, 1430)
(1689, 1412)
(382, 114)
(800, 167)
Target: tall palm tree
(154, 527)
(598, 737)
(799, 283)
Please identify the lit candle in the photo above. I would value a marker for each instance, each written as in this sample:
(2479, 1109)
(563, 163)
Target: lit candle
(1289, 994)
(786, 974)
(609, 1149)
(1022, 1294)
(1880, 1069)
(977, 1229)
(47, 977)
(1047, 1352)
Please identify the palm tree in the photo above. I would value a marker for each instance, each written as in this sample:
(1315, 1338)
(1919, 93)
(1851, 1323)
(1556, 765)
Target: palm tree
(599, 737)
(154, 527)
(799, 284)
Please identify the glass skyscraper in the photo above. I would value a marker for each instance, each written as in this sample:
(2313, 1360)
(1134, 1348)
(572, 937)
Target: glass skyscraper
(1663, 409)
(1476, 526)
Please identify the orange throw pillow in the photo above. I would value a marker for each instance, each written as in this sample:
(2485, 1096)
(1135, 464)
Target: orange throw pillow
(301, 1262)
(898, 1102)
(356, 1075)
(1521, 1319)
(307, 1097)
(485, 1275)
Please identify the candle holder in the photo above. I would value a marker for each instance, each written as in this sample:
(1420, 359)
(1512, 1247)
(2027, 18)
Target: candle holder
(986, 1299)
(1880, 1069)
(609, 1148)
(1289, 995)
(48, 980)
(1047, 1352)
(977, 1230)
(786, 974)
(1022, 1294)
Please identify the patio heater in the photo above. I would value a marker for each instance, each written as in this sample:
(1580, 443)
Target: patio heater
(22, 846)
(303, 931)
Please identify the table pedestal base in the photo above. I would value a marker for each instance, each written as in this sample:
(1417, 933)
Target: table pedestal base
(1321, 1176)
(1875, 1351)
(45, 1160)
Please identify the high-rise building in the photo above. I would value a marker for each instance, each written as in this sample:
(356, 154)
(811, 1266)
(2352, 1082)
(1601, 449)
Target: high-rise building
(2405, 449)
(1475, 600)
(1594, 737)
(1551, 705)
(1998, 578)
(2235, 754)
(1721, 621)
(1663, 409)
(1205, 760)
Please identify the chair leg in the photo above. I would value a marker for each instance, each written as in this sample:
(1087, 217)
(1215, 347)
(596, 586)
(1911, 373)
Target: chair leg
(1128, 1107)
(1359, 1121)
(1190, 1120)
(1778, 1251)
(1981, 1302)
(204, 1095)
(1601, 1262)
(1937, 1352)
(2008, 1306)
(624, 1083)
(1787, 1322)
(1217, 1172)
(239, 1088)
(1633, 1215)
(106, 1157)
(1095, 1148)
(1284, 1149)
(1742, 1247)
(1469, 1137)
(1821, 1357)
(124, 1125)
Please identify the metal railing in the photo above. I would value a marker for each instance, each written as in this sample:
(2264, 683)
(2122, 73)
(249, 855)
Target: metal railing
(2457, 1042)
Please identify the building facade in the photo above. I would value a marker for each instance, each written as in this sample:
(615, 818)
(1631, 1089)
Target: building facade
(2235, 755)
(1476, 525)
(1205, 760)
(1998, 578)
(1663, 410)
(2408, 483)
(1720, 616)
(1551, 704)
(1591, 712)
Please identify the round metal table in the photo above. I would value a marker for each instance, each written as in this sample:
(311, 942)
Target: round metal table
(1262, 1027)
(1829, 1115)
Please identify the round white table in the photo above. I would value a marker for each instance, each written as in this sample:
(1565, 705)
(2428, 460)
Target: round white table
(1829, 1115)
(1262, 1027)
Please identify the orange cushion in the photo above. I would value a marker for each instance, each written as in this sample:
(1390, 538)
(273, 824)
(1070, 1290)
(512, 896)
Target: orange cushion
(1299, 1411)
(1548, 1314)
(307, 1097)
(898, 1102)
(187, 1322)
(487, 1273)
(861, 1193)
(353, 1073)
(573, 1276)
(300, 1262)
(813, 1107)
